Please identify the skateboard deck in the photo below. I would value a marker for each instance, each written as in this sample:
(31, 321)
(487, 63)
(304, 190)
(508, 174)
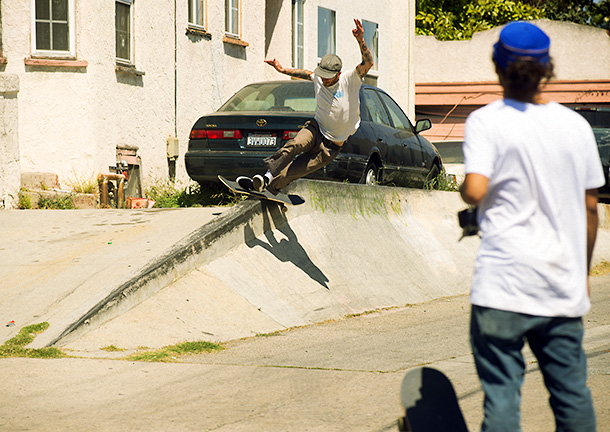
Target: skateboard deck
(280, 198)
(430, 403)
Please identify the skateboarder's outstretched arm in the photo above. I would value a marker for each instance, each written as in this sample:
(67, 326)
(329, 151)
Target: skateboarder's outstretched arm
(367, 57)
(297, 73)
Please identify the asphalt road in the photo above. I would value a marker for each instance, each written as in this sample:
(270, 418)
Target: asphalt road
(336, 376)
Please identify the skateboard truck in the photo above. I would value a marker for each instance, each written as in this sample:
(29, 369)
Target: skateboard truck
(281, 199)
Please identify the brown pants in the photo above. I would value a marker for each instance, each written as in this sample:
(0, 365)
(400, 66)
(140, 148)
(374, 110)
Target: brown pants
(302, 155)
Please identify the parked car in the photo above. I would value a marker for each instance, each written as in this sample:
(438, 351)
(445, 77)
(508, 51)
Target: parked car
(261, 117)
(599, 119)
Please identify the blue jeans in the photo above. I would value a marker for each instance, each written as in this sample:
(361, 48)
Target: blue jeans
(497, 338)
(307, 152)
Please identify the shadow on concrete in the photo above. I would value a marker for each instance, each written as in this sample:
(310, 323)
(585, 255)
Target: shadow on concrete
(287, 249)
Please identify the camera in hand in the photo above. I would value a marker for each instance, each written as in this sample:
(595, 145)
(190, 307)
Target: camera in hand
(468, 222)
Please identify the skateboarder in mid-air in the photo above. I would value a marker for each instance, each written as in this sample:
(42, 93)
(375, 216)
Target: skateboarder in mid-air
(320, 140)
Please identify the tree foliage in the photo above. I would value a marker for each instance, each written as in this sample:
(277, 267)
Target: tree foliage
(460, 19)
(578, 11)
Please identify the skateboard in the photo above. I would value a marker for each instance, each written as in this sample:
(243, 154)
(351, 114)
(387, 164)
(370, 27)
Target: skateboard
(283, 199)
(430, 403)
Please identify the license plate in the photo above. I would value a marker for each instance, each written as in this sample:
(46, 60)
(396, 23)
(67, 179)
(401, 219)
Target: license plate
(261, 140)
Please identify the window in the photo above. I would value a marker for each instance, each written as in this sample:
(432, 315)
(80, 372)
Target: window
(399, 118)
(124, 45)
(297, 34)
(197, 13)
(375, 108)
(53, 27)
(326, 32)
(371, 37)
(232, 18)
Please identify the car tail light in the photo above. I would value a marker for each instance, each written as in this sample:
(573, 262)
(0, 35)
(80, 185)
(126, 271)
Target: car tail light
(289, 134)
(215, 134)
(198, 134)
(224, 134)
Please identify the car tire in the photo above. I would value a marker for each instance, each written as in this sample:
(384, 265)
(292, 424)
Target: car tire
(371, 174)
(432, 175)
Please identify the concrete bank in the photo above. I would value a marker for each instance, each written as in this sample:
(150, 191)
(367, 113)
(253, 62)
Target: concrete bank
(56, 265)
(255, 270)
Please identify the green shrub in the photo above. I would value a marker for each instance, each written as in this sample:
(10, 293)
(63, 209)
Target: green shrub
(167, 195)
(58, 202)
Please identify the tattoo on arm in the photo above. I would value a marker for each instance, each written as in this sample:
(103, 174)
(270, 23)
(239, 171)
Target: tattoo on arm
(299, 73)
(367, 59)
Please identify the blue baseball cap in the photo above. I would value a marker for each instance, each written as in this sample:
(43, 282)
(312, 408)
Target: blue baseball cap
(520, 40)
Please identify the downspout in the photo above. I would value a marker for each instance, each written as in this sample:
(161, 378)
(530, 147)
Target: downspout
(0, 29)
(173, 142)
(175, 69)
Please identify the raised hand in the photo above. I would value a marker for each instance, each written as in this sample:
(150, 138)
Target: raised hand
(275, 64)
(358, 32)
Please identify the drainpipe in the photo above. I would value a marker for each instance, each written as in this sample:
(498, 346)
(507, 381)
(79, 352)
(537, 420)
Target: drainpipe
(0, 28)
(173, 142)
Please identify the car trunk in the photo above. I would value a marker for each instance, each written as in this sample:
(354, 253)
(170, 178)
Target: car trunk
(246, 132)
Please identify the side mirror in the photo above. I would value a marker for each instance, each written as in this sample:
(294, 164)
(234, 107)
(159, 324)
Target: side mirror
(423, 125)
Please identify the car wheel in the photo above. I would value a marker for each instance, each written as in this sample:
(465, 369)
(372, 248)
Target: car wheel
(432, 177)
(371, 174)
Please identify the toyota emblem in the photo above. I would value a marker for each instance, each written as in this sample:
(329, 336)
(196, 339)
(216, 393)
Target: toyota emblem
(261, 122)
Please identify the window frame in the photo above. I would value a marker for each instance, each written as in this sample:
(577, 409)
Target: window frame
(131, 60)
(71, 22)
(192, 22)
(229, 19)
(298, 32)
(332, 32)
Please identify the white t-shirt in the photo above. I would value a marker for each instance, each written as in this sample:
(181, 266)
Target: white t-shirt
(539, 160)
(338, 106)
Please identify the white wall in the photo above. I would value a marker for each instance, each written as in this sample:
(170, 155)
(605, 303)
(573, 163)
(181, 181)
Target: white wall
(579, 52)
(396, 30)
(72, 119)
(10, 171)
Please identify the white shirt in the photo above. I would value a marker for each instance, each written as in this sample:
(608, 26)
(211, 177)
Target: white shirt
(539, 160)
(338, 106)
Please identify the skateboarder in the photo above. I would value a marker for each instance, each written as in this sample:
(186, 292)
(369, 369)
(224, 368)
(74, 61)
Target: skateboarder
(337, 117)
(533, 169)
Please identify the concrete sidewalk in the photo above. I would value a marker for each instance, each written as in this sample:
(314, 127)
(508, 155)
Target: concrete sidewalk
(339, 376)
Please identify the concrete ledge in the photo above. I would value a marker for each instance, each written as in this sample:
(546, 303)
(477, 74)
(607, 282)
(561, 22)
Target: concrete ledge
(348, 249)
(254, 269)
(178, 261)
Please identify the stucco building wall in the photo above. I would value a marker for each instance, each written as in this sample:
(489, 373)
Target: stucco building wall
(579, 52)
(72, 115)
(10, 171)
(455, 77)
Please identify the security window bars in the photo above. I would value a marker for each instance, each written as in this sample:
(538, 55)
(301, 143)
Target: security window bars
(297, 34)
(123, 30)
(326, 32)
(232, 15)
(197, 13)
(51, 25)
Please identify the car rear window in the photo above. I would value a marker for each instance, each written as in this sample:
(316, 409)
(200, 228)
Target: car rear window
(286, 97)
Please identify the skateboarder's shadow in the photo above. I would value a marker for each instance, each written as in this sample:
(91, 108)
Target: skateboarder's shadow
(287, 249)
